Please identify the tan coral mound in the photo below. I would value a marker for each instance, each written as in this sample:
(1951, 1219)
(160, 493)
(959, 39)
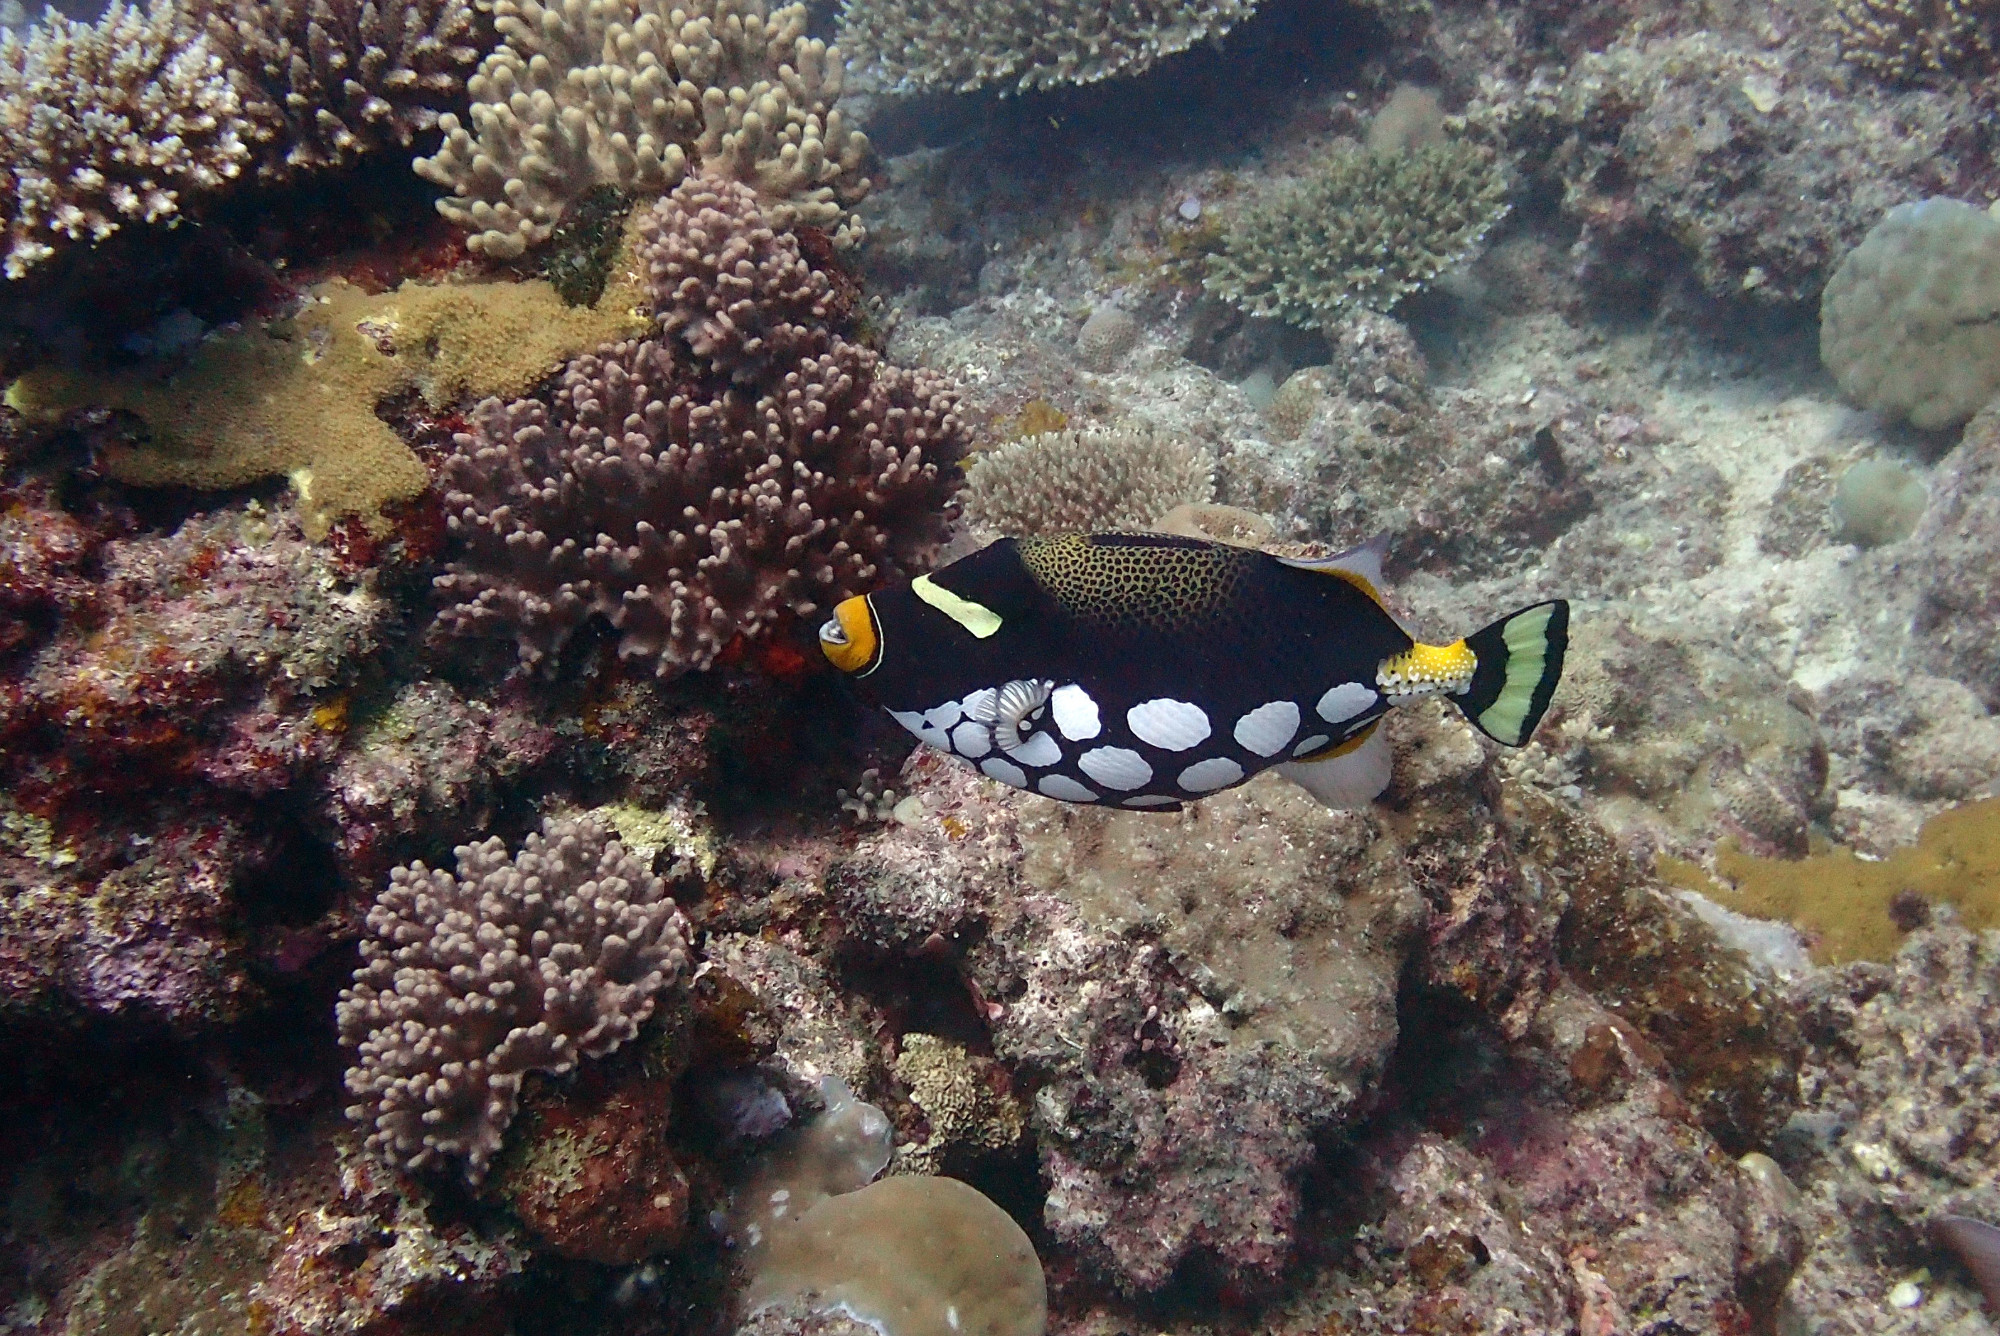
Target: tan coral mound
(1085, 480)
(635, 93)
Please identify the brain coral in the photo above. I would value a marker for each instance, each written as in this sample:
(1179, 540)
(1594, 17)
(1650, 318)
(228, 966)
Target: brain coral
(1083, 480)
(1364, 230)
(329, 80)
(913, 46)
(467, 983)
(631, 93)
(108, 123)
(679, 497)
(1908, 322)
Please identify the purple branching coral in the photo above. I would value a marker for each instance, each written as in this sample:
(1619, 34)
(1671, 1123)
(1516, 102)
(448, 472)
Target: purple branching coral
(108, 123)
(750, 467)
(467, 983)
(329, 80)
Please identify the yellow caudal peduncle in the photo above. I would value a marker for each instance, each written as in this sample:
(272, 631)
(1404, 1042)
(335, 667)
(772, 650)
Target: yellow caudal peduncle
(1427, 670)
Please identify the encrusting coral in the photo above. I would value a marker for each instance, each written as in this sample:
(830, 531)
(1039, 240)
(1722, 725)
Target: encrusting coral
(916, 46)
(467, 983)
(1364, 230)
(1084, 480)
(684, 506)
(635, 93)
(109, 123)
(329, 80)
(233, 414)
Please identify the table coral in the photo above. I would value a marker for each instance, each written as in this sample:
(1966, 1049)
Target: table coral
(516, 964)
(635, 93)
(1362, 230)
(1018, 45)
(298, 398)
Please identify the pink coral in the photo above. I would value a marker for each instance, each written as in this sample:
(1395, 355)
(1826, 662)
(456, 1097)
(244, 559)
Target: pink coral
(468, 983)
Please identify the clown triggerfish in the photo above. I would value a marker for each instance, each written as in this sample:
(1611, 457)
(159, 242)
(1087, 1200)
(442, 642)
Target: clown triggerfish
(1141, 670)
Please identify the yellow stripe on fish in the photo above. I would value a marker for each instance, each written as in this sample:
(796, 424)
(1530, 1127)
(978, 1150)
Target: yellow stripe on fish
(1144, 670)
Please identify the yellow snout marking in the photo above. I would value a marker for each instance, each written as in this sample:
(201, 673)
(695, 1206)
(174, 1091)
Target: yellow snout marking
(850, 641)
(1426, 670)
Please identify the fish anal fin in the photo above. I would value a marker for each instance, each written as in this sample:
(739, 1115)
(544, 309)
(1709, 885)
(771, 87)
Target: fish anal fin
(1352, 774)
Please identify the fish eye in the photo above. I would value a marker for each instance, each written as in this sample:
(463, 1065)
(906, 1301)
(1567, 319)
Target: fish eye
(832, 632)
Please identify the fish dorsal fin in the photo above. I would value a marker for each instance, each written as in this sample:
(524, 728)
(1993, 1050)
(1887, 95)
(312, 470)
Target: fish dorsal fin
(1360, 566)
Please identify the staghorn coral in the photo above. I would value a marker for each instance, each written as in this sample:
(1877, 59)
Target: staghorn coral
(1908, 41)
(752, 466)
(1364, 230)
(467, 983)
(108, 123)
(329, 80)
(633, 93)
(1083, 480)
(915, 46)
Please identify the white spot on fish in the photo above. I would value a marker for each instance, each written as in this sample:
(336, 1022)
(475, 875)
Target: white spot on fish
(1266, 729)
(915, 722)
(1037, 749)
(1004, 771)
(1149, 800)
(1076, 713)
(1311, 745)
(1116, 767)
(971, 740)
(979, 705)
(1065, 788)
(1343, 702)
(1173, 725)
(1214, 773)
(943, 716)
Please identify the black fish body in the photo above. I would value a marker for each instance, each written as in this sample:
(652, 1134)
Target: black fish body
(1143, 670)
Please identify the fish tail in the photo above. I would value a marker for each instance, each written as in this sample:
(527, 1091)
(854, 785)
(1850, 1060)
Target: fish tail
(1520, 660)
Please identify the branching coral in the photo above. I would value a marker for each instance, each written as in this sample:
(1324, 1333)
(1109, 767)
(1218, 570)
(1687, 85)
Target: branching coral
(110, 123)
(753, 466)
(1912, 40)
(914, 46)
(1365, 230)
(467, 983)
(1078, 481)
(329, 80)
(632, 94)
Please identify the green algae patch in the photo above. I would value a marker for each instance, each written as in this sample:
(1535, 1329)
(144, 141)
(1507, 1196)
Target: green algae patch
(1853, 908)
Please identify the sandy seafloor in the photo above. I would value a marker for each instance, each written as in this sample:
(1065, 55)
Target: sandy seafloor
(1481, 1057)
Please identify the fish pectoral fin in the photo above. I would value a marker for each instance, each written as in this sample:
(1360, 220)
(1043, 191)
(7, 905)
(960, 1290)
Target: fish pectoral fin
(1348, 777)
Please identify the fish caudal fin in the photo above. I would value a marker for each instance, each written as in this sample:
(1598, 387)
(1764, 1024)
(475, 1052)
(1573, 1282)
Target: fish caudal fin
(1520, 661)
(1350, 777)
